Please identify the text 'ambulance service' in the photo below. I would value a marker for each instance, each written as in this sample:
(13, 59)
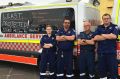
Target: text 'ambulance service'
(21, 28)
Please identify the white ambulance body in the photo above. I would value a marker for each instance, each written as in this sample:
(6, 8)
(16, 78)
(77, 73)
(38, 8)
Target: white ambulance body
(21, 28)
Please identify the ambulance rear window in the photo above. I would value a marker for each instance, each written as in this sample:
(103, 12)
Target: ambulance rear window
(34, 21)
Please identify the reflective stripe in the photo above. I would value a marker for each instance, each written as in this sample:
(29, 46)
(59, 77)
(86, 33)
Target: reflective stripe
(69, 75)
(91, 76)
(104, 78)
(52, 73)
(117, 12)
(60, 75)
(38, 7)
(20, 40)
(46, 73)
(42, 73)
(82, 74)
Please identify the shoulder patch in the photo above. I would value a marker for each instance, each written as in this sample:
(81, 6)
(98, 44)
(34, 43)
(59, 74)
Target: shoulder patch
(90, 34)
(117, 27)
(110, 27)
(69, 32)
(58, 30)
(52, 38)
(73, 30)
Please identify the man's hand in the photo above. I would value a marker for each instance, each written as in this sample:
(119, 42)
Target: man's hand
(50, 45)
(63, 37)
(112, 36)
(47, 45)
(82, 41)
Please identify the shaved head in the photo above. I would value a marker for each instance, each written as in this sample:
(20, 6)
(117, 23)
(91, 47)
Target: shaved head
(86, 23)
(87, 26)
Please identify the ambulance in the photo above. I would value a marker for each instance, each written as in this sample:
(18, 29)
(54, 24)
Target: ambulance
(116, 20)
(21, 28)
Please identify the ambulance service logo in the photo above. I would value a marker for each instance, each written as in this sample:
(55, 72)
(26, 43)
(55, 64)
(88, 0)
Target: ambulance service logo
(52, 38)
(68, 32)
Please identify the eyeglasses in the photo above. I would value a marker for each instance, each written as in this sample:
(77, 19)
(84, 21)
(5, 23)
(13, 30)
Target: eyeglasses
(106, 18)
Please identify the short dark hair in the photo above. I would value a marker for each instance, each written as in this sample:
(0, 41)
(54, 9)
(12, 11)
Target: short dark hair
(106, 14)
(48, 25)
(67, 18)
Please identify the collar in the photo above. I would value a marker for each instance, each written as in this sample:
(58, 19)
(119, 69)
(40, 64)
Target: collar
(64, 30)
(107, 26)
(88, 33)
(48, 36)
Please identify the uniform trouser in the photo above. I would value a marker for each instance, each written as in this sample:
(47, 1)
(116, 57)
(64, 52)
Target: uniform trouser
(47, 63)
(107, 65)
(87, 64)
(65, 63)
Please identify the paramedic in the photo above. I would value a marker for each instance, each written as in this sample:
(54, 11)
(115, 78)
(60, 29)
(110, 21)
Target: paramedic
(87, 54)
(48, 43)
(65, 37)
(106, 36)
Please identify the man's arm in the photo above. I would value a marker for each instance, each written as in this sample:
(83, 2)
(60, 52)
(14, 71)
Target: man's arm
(69, 38)
(47, 46)
(97, 35)
(99, 38)
(86, 42)
(112, 35)
(60, 38)
(91, 42)
(109, 36)
(104, 37)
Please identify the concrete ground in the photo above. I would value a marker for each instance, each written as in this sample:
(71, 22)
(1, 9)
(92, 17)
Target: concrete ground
(10, 70)
(18, 71)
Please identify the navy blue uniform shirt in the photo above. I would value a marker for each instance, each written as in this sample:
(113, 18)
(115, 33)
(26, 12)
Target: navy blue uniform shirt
(107, 46)
(46, 40)
(65, 45)
(89, 36)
